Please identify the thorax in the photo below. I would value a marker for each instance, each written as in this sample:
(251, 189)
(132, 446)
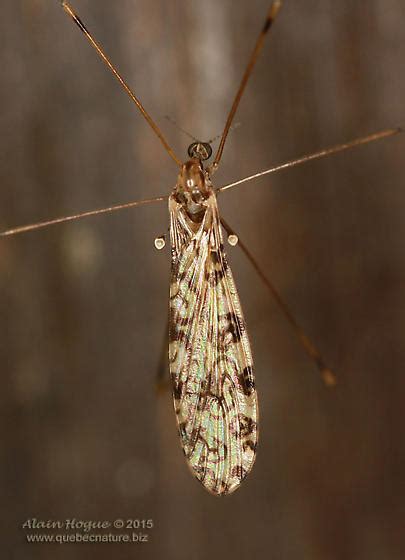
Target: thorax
(192, 190)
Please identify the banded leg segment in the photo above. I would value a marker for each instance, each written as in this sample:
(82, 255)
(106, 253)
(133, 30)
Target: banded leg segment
(271, 16)
(69, 10)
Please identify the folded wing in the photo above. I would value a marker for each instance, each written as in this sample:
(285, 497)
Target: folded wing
(209, 355)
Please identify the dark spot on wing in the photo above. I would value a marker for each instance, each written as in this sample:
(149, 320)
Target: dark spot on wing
(177, 388)
(235, 326)
(247, 425)
(248, 380)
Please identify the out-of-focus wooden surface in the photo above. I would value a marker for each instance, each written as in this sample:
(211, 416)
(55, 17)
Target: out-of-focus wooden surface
(83, 306)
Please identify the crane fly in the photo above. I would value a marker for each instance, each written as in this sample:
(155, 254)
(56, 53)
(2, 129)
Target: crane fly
(210, 359)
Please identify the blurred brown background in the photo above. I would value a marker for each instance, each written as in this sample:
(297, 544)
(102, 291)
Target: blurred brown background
(83, 305)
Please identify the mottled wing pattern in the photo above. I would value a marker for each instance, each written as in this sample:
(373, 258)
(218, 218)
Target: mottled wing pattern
(209, 355)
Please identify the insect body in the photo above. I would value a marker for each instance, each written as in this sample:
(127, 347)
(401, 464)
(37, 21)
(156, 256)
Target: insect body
(209, 353)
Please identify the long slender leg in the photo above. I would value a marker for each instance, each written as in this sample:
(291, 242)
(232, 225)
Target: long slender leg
(292, 163)
(322, 153)
(69, 10)
(109, 209)
(271, 16)
(328, 376)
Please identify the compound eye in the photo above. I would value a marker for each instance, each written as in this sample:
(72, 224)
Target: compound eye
(200, 150)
